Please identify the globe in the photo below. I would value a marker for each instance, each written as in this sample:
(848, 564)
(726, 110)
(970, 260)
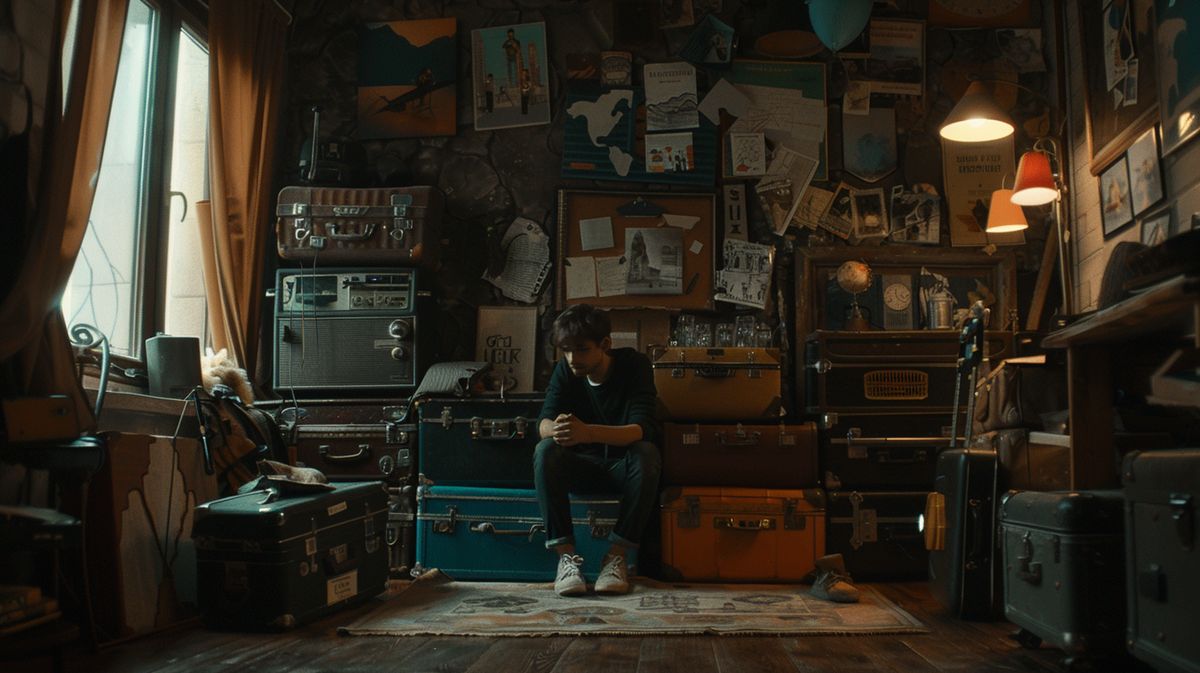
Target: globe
(854, 276)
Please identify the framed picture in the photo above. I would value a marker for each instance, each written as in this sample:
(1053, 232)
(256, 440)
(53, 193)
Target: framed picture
(1179, 71)
(506, 336)
(1114, 197)
(406, 76)
(510, 77)
(1120, 77)
(1156, 229)
(1145, 173)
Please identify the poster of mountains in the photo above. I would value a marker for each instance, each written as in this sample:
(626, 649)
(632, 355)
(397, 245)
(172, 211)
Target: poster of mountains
(406, 78)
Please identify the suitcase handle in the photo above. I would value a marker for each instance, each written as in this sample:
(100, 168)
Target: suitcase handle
(326, 452)
(498, 428)
(713, 372)
(752, 525)
(1027, 571)
(368, 231)
(739, 439)
(489, 527)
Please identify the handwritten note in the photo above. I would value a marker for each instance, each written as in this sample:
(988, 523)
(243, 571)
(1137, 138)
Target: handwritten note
(580, 275)
(610, 276)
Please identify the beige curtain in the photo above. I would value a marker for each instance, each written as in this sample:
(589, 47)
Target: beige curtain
(33, 343)
(246, 40)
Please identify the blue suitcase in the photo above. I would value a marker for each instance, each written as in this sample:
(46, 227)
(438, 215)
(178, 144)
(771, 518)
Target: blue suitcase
(478, 441)
(473, 533)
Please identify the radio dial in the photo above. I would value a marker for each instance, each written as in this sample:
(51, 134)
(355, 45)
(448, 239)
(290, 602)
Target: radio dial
(358, 301)
(400, 353)
(399, 329)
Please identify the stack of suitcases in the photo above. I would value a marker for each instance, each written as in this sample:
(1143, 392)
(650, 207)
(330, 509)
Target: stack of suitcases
(886, 404)
(477, 511)
(740, 493)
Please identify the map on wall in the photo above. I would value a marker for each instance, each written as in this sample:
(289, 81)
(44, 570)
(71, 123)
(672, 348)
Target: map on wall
(601, 140)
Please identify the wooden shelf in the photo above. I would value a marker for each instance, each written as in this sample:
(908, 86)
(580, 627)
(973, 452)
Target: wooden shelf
(1170, 303)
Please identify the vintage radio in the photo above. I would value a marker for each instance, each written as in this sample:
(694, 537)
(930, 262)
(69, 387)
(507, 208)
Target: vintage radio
(342, 329)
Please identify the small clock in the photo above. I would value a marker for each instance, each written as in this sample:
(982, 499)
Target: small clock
(897, 301)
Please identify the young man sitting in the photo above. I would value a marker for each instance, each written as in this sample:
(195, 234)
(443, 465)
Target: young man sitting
(599, 434)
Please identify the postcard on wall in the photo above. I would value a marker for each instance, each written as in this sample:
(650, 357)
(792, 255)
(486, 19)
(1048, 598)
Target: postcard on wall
(916, 214)
(870, 213)
(675, 13)
(747, 155)
(791, 96)
(712, 41)
(972, 171)
(746, 278)
(506, 336)
(510, 77)
(897, 61)
(775, 195)
(654, 260)
(526, 261)
(814, 203)
(406, 76)
(671, 101)
(839, 219)
(610, 276)
(616, 68)
(670, 152)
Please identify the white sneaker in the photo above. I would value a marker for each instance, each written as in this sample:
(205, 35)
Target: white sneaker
(569, 581)
(613, 577)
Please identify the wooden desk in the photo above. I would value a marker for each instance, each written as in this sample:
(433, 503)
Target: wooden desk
(1169, 308)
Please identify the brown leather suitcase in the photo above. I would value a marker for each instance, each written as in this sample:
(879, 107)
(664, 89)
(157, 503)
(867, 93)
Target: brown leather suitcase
(777, 455)
(356, 439)
(390, 226)
(741, 534)
(718, 384)
(912, 371)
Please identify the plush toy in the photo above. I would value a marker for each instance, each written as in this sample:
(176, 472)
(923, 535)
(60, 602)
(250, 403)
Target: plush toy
(220, 368)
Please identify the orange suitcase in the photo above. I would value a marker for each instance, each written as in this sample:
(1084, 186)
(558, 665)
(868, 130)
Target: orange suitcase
(718, 384)
(741, 534)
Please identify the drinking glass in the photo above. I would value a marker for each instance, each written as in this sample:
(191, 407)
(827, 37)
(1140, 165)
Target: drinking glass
(703, 336)
(744, 331)
(724, 335)
(763, 336)
(685, 328)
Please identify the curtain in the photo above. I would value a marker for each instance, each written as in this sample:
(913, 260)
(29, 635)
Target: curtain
(246, 40)
(34, 348)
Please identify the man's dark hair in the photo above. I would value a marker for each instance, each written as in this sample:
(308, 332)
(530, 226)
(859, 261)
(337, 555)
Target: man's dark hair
(580, 322)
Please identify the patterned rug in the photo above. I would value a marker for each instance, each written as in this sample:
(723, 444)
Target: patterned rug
(437, 605)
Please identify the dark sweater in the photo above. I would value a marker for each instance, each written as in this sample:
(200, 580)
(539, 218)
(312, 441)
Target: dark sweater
(627, 397)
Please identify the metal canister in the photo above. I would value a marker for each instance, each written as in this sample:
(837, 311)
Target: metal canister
(941, 311)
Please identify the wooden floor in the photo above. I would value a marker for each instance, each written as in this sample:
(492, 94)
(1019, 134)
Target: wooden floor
(952, 645)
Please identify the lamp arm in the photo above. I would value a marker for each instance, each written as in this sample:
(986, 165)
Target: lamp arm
(995, 80)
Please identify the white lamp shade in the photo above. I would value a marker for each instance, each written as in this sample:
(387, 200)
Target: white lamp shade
(976, 118)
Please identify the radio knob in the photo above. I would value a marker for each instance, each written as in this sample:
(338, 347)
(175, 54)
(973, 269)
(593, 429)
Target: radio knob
(399, 353)
(399, 329)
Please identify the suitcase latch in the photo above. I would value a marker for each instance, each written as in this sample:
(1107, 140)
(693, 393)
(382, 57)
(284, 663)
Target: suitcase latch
(498, 428)
(689, 517)
(792, 518)
(447, 418)
(598, 530)
(855, 451)
(400, 218)
(1182, 513)
(394, 435)
(447, 527)
(1027, 570)
(865, 523)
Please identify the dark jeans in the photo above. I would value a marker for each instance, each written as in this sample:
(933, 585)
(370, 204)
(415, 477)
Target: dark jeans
(631, 471)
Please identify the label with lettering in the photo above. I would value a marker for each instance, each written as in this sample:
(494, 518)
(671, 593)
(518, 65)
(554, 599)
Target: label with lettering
(335, 509)
(341, 588)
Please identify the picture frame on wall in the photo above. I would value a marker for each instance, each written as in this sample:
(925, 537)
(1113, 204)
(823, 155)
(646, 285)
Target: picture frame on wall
(1120, 77)
(1177, 24)
(1156, 229)
(1145, 172)
(1114, 197)
(510, 76)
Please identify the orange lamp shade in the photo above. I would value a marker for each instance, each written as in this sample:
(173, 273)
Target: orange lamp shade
(976, 118)
(1035, 183)
(1004, 215)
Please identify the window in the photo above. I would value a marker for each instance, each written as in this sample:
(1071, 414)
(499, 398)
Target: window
(139, 271)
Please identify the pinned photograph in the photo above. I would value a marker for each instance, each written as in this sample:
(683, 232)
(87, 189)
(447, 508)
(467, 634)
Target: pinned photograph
(870, 214)
(746, 278)
(1145, 175)
(916, 214)
(814, 203)
(675, 13)
(670, 153)
(1114, 197)
(857, 99)
(406, 76)
(776, 196)
(510, 77)
(654, 260)
(839, 219)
